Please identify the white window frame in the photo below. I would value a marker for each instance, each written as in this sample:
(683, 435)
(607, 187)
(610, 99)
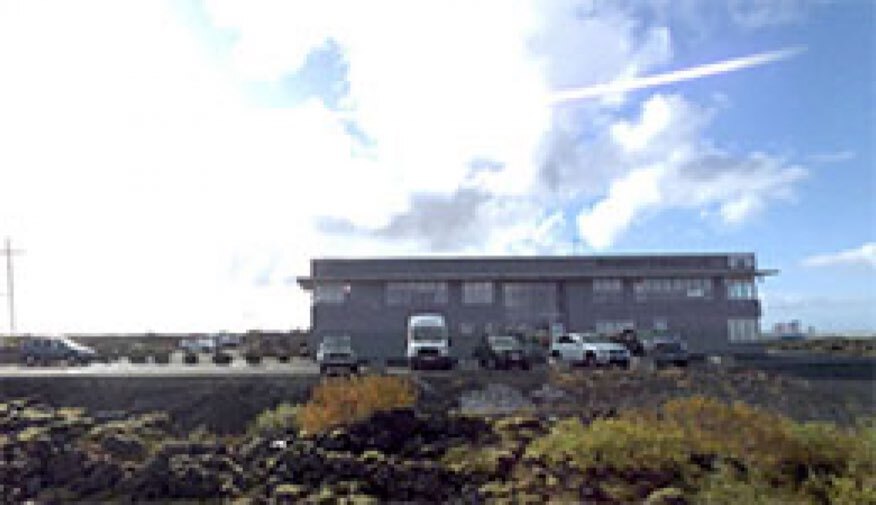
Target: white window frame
(331, 293)
(608, 285)
(407, 293)
(741, 289)
(741, 330)
(478, 293)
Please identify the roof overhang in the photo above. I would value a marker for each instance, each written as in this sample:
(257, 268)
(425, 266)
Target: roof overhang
(307, 282)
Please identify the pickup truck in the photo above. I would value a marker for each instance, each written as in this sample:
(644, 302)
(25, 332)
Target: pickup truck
(336, 355)
(588, 350)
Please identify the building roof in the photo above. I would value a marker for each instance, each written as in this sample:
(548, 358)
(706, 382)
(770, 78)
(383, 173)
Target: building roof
(529, 268)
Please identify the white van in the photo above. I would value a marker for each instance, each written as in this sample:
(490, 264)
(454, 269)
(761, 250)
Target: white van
(428, 342)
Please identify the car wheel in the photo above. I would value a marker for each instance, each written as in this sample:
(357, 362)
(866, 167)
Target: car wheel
(589, 359)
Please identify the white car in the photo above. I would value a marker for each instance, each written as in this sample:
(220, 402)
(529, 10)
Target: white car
(205, 344)
(588, 350)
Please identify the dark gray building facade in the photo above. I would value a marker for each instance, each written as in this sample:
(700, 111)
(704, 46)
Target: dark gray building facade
(708, 299)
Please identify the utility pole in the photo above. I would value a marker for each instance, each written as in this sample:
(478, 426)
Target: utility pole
(10, 284)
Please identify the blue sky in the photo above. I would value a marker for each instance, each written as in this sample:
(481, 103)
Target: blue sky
(174, 165)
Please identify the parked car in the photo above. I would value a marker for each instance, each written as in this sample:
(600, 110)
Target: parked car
(227, 340)
(501, 351)
(336, 355)
(588, 350)
(629, 339)
(195, 345)
(666, 351)
(47, 350)
(428, 342)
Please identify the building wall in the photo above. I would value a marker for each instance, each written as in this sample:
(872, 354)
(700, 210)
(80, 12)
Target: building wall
(378, 329)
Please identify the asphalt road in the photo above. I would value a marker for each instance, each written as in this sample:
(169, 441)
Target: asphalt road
(176, 367)
(806, 366)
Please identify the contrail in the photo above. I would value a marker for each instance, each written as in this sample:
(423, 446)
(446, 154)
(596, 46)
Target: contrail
(686, 74)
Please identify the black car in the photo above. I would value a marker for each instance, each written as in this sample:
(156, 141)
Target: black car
(666, 351)
(336, 355)
(501, 351)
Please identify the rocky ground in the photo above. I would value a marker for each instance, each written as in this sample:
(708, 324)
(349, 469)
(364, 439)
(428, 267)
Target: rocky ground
(467, 441)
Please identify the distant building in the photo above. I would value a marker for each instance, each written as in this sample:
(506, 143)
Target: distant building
(791, 330)
(708, 299)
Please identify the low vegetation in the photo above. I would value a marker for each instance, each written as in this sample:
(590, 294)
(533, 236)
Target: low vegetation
(712, 451)
(832, 345)
(365, 439)
(339, 401)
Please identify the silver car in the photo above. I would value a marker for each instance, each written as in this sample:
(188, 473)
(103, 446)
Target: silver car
(48, 350)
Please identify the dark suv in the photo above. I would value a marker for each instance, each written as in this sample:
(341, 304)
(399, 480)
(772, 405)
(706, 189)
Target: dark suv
(666, 351)
(47, 350)
(501, 351)
(336, 355)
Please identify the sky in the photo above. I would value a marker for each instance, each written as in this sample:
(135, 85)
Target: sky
(173, 166)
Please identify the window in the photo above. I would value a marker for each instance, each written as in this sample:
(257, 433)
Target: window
(613, 327)
(607, 286)
(530, 302)
(740, 261)
(672, 288)
(740, 289)
(416, 293)
(330, 292)
(477, 293)
(660, 324)
(742, 330)
(607, 290)
(466, 329)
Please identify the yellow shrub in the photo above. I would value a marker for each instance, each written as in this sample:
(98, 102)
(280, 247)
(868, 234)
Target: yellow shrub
(805, 460)
(339, 401)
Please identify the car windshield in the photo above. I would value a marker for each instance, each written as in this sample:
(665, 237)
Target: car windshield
(429, 333)
(336, 341)
(594, 339)
(669, 346)
(336, 348)
(503, 342)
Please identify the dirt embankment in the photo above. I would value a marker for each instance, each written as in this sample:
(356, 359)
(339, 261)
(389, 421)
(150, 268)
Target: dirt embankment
(220, 404)
(228, 404)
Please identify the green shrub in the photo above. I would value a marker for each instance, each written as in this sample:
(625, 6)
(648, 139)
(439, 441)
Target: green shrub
(280, 419)
(339, 401)
(701, 441)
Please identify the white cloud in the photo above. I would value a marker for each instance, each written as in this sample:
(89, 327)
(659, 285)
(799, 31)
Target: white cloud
(832, 157)
(665, 162)
(761, 13)
(860, 256)
(627, 197)
(150, 191)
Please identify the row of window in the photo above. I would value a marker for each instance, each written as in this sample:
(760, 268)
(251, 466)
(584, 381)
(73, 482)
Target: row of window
(743, 330)
(529, 295)
(739, 330)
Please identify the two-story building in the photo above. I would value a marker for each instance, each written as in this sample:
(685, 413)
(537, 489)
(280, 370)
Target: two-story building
(708, 299)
